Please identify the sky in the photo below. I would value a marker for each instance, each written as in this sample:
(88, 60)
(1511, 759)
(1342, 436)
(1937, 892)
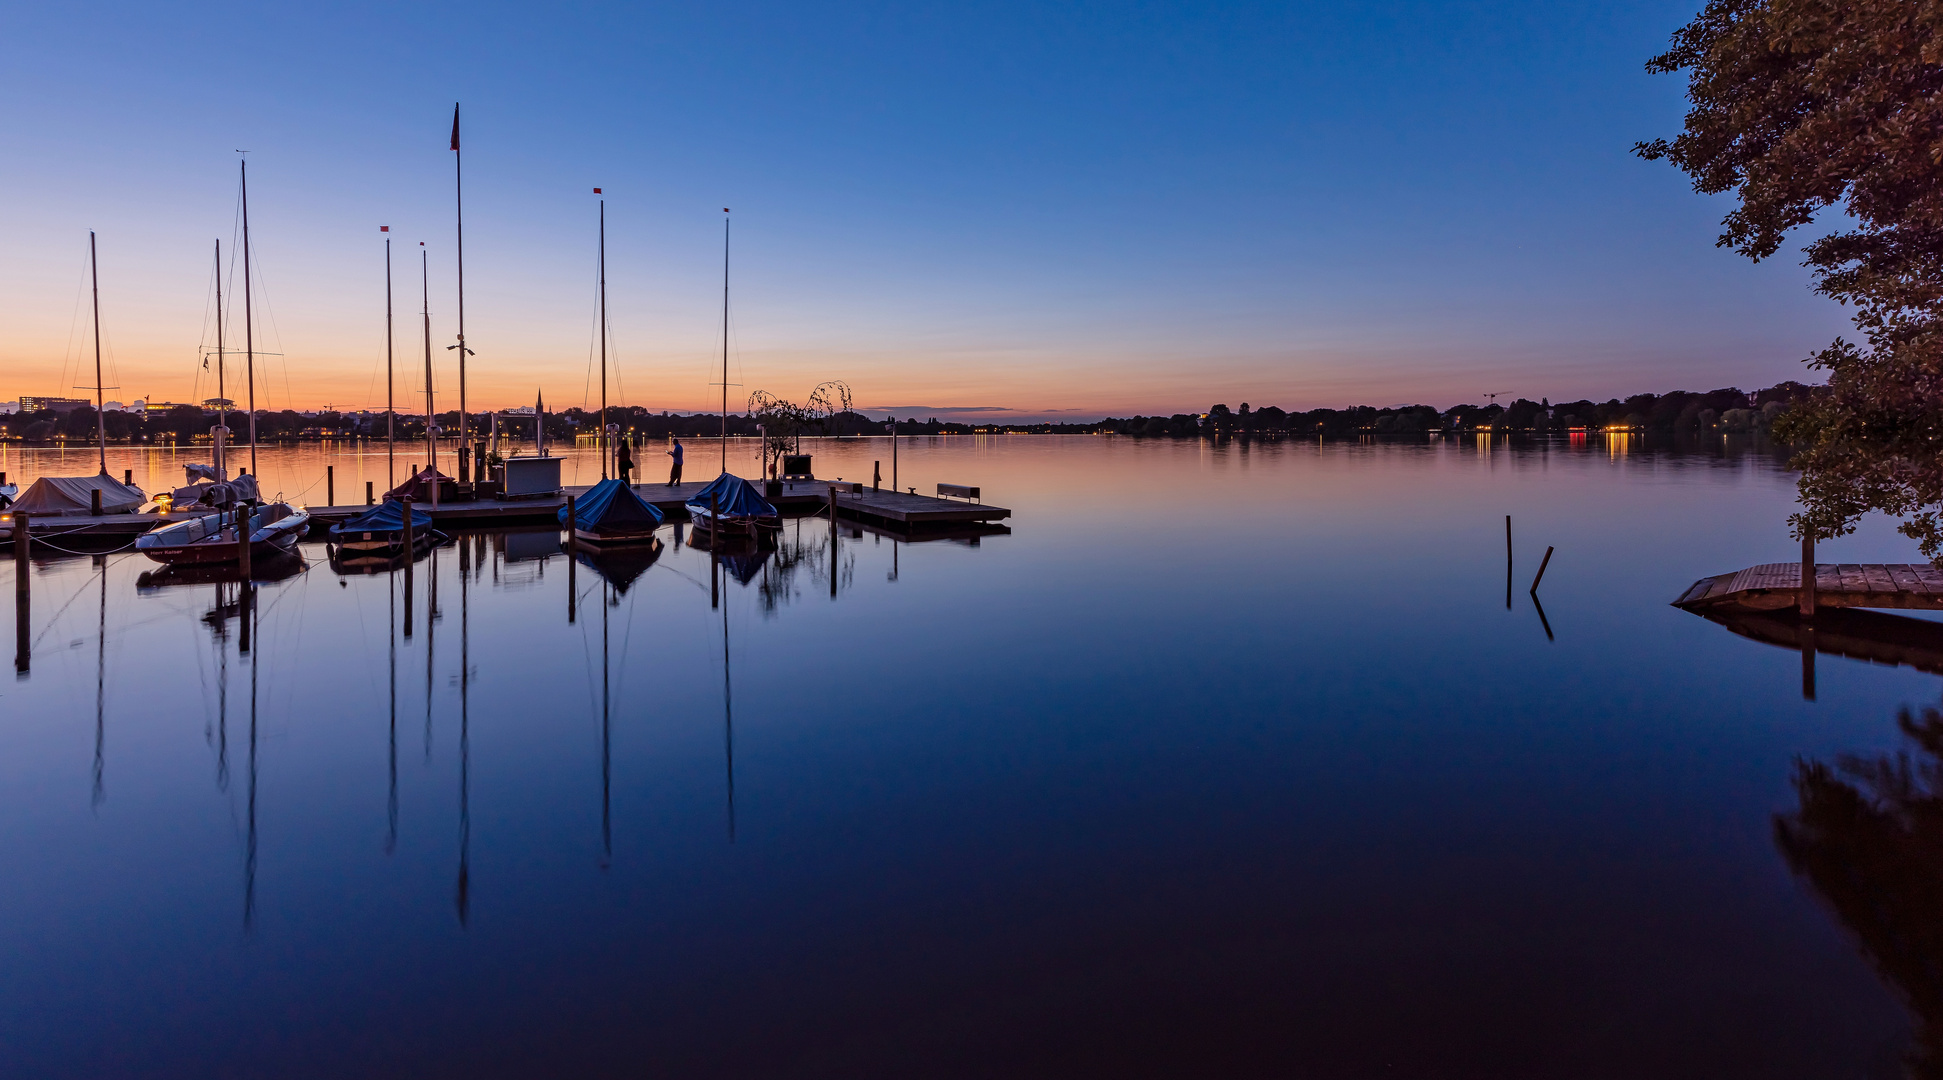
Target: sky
(996, 211)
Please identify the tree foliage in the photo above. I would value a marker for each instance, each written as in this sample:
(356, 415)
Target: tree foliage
(1800, 106)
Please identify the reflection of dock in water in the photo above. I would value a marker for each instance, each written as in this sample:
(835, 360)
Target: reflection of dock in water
(1890, 640)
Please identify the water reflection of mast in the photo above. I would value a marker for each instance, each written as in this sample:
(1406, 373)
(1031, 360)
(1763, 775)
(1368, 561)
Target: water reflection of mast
(728, 718)
(606, 821)
(391, 625)
(465, 741)
(100, 680)
(431, 621)
(249, 855)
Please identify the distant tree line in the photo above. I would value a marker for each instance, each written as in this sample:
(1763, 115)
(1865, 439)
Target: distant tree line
(1728, 410)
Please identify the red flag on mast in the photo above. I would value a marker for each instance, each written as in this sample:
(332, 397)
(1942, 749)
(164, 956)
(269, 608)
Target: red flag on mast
(455, 125)
(384, 228)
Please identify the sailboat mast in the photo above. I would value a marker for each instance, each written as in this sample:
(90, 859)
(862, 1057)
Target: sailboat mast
(458, 188)
(391, 434)
(100, 419)
(222, 409)
(604, 451)
(431, 418)
(725, 339)
(249, 330)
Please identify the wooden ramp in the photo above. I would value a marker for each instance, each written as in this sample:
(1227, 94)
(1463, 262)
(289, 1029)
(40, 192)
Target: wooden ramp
(1774, 586)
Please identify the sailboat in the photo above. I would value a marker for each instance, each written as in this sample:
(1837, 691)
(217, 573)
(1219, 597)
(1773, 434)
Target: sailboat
(610, 513)
(730, 505)
(72, 495)
(270, 528)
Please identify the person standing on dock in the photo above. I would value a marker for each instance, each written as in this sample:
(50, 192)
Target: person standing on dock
(674, 475)
(624, 463)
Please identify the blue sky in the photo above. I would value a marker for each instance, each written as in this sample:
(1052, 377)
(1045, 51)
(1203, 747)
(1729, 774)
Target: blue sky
(1015, 210)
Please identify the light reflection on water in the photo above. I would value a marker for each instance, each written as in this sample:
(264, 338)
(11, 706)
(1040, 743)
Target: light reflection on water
(1230, 758)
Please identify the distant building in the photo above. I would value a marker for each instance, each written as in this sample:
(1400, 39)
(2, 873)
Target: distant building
(58, 404)
(215, 403)
(153, 407)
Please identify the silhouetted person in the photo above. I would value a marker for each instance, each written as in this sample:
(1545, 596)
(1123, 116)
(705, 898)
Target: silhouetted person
(625, 463)
(674, 475)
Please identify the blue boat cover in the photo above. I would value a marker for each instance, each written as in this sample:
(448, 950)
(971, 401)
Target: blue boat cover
(613, 506)
(738, 498)
(389, 516)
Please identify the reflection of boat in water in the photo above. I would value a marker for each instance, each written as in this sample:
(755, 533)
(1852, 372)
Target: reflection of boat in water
(621, 566)
(275, 567)
(212, 538)
(381, 531)
(349, 563)
(611, 514)
(741, 557)
(737, 509)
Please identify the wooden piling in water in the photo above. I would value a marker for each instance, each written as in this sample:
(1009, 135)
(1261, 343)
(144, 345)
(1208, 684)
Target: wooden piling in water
(1547, 561)
(127, 478)
(243, 517)
(368, 497)
(330, 485)
(407, 504)
(876, 476)
(1807, 575)
(245, 600)
(22, 601)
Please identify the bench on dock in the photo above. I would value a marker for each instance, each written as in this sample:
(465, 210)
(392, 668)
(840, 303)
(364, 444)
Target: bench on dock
(958, 491)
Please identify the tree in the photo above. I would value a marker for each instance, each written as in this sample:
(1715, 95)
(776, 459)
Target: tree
(1803, 105)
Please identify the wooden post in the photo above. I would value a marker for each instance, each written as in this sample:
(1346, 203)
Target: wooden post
(245, 600)
(1807, 575)
(127, 478)
(330, 485)
(368, 496)
(243, 517)
(1507, 562)
(1547, 561)
(407, 505)
(572, 520)
(876, 475)
(22, 601)
(94, 501)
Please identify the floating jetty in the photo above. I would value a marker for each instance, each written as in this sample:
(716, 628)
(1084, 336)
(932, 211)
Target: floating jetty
(1775, 586)
(894, 510)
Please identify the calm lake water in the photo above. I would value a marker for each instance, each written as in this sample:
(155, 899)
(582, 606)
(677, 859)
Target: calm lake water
(1229, 760)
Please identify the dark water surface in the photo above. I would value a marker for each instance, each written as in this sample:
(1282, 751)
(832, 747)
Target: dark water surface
(1230, 760)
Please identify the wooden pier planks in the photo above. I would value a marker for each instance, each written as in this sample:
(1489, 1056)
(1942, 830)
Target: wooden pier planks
(1774, 586)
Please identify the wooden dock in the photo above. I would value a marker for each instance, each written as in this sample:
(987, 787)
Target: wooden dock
(884, 508)
(1775, 586)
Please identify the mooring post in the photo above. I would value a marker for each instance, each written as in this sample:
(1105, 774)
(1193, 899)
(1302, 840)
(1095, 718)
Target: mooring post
(245, 600)
(330, 485)
(243, 517)
(1807, 575)
(127, 478)
(368, 497)
(407, 505)
(94, 501)
(572, 520)
(1543, 563)
(22, 601)
(876, 476)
